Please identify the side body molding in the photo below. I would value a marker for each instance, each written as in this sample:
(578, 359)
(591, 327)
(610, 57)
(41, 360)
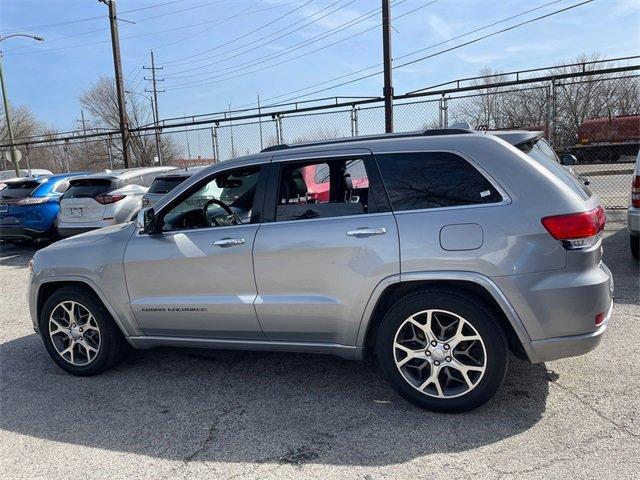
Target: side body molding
(472, 277)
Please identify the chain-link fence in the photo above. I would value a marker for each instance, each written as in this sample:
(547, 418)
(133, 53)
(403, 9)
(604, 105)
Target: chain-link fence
(594, 118)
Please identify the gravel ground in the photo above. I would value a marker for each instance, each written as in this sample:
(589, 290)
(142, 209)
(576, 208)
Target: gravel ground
(220, 414)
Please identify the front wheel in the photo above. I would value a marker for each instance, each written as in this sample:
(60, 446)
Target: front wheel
(442, 351)
(78, 332)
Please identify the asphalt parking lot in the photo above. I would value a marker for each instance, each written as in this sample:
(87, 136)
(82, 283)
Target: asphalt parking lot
(221, 414)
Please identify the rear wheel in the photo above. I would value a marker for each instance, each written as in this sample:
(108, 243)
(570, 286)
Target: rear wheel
(78, 332)
(442, 351)
(635, 246)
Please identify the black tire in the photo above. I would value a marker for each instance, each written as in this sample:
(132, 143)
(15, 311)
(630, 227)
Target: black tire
(112, 343)
(634, 241)
(476, 314)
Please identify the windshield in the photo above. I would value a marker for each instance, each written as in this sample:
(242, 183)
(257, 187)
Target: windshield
(88, 188)
(544, 154)
(166, 184)
(18, 189)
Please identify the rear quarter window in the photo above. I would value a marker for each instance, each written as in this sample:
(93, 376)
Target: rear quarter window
(88, 188)
(18, 189)
(424, 180)
(165, 184)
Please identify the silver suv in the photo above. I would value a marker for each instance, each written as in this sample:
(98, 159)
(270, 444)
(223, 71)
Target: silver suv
(455, 249)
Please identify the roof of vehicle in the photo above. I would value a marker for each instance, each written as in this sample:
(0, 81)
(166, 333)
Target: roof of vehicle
(125, 172)
(181, 172)
(514, 137)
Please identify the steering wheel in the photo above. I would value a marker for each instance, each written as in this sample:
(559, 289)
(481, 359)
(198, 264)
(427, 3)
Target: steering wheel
(212, 221)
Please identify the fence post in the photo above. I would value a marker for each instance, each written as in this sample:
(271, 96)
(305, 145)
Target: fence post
(66, 154)
(354, 121)
(279, 135)
(214, 141)
(109, 153)
(554, 113)
(445, 108)
(441, 112)
(26, 158)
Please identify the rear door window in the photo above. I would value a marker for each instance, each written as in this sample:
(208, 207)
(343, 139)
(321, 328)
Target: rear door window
(344, 195)
(423, 180)
(88, 188)
(18, 189)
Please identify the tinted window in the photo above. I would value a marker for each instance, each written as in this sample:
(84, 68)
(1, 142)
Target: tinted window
(18, 189)
(433, 180)
(148, 178)
(165, 184)
(88, 188)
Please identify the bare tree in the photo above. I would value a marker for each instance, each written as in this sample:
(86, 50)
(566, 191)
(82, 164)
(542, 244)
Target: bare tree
(101, 103)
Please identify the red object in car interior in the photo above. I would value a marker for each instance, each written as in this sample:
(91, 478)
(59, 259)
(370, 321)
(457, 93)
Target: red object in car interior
(635, 191)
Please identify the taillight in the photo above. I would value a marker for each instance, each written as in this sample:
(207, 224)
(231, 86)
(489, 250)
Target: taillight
(577, 230)
(107, 199)
(635, 191)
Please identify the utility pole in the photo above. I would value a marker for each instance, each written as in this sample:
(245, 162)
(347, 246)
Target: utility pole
(388, 74)
(7, 114)
(156, 119)
(117, 64)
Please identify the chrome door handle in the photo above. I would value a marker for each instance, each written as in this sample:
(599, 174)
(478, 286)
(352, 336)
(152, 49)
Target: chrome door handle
(366, 232)
(228, 242)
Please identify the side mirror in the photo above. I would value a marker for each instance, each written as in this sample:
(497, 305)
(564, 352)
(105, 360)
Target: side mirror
(146, 221)
(567, 159)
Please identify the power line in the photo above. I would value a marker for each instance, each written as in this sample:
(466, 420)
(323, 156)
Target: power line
(437, 53)
(411, 53)
(235, 53)
(87, 19)
(227, 42)
(217, 21)
(270, 57)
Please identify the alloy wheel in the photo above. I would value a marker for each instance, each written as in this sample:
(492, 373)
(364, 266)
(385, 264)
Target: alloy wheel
(74, 333)
(439, 353)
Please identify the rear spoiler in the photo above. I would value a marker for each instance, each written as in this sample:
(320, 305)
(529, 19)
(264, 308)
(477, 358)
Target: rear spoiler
(519, 138)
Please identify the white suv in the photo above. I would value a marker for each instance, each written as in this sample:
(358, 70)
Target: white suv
(104, 199)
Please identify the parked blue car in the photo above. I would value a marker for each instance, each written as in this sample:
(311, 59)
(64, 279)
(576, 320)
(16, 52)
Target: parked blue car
(29, 206)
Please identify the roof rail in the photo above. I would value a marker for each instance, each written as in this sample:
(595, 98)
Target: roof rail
(429, 132)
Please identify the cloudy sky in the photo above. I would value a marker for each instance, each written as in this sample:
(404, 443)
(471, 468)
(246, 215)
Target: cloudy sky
(220, 52)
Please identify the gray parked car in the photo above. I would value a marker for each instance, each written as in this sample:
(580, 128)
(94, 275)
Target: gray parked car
(166, 182)
(458, 248)
(633, 213)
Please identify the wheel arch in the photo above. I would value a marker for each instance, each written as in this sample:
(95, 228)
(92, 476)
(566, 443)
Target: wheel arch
(49, 287)
(478, 286)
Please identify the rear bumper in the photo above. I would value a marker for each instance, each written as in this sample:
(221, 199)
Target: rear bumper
(21, 233)
(570, 346)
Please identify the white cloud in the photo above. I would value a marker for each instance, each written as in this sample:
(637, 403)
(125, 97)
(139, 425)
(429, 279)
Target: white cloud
(442, 28)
